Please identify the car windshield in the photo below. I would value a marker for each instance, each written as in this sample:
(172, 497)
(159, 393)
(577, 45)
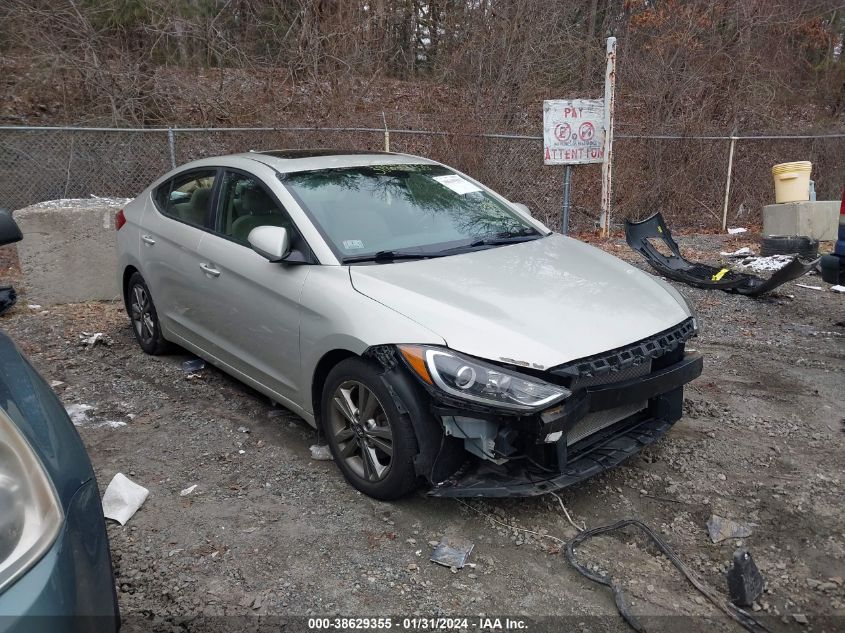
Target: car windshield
(387, 212)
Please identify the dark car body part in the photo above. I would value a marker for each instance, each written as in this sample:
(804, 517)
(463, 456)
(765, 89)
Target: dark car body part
(832, 266)
(521, 463)
(71, 586)
(676, 267)
(9, 233)
(8, 298)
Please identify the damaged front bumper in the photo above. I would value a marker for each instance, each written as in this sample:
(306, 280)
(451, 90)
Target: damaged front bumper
(621, 401)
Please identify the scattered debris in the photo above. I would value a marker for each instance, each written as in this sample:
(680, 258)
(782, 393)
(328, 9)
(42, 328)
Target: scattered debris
(193, 366)
(721, 528)
(321, 453)
(639, 236)
(89, 339)
(8, 298)
(840, 289)
(745, 584)
(452, 552)
(122, 498)
(737, 230)
(809, 287)
(78, 413)
(112, 424)
(772, 263)
(746, 620)
(55, 384)
(745, 251)
(188, 490)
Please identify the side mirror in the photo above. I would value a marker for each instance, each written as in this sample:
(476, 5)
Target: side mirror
(9, 231)
(272, 242)
(523, 207)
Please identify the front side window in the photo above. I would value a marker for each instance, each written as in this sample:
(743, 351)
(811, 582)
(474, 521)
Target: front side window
(402, 210)
(245, 205)
(187, 197)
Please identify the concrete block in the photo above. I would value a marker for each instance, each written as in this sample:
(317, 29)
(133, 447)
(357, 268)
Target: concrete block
(818, 220)
(68, 252)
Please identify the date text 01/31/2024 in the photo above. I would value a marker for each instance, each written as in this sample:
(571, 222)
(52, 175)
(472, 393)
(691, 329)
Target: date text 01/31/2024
(481, 623)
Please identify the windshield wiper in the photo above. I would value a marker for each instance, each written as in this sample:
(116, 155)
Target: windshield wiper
(499, 239)
(388, 256)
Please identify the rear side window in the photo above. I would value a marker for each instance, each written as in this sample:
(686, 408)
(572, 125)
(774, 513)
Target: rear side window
(187, 197)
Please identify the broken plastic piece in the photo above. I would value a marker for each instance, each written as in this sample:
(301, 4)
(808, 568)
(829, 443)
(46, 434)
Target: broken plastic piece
(122, 498)
(451, 552)
(193, 365)
(8, 298)
(675, 266)
(745, 584)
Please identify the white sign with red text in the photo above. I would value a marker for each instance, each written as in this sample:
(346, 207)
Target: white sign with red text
(573, 131)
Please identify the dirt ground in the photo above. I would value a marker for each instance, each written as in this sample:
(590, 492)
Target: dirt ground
(270, 531)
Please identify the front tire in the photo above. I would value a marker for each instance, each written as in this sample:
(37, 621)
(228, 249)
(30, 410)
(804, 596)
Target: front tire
(373, 444)
(142, 313)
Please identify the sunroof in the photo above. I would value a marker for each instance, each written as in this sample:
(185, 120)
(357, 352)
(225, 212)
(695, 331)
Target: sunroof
(314, 153)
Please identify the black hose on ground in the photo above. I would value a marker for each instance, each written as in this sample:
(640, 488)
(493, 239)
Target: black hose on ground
(745, 619)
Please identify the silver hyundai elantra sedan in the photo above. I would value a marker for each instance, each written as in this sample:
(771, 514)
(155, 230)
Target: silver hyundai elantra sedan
(433, 331)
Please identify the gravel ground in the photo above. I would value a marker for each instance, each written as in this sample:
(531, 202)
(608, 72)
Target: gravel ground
(270, 531)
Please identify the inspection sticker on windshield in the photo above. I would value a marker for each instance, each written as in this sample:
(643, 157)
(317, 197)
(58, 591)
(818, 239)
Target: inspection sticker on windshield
(351, 245)
(456, 184)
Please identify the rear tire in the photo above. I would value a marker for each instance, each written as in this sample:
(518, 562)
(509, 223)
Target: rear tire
(142, 313)
(373, 444)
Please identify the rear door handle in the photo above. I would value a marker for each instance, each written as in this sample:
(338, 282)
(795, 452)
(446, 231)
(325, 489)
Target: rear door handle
(208, 269)
(148, 240)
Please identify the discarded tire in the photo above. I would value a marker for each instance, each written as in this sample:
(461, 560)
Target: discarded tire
(805, 247)
(832, 269)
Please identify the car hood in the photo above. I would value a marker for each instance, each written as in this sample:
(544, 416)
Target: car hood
(539, 303)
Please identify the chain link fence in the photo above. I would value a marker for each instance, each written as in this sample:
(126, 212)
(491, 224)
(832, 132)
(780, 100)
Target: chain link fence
(683, 177)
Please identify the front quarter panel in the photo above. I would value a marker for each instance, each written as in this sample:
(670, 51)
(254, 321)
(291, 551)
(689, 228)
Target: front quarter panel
(337, 317)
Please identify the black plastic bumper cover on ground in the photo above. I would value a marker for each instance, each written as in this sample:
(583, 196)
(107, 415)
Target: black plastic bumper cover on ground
(676, 267)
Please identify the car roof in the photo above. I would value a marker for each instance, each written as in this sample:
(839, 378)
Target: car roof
(291, 160)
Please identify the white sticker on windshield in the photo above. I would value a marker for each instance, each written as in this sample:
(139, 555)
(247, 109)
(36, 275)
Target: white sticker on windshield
(351, 245)
(457, 184)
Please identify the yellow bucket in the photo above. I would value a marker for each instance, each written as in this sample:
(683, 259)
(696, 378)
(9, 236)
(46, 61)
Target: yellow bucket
(792, 181)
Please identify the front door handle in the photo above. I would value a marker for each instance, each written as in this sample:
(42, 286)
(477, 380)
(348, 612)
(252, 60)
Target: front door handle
(208, 269)
(148, 240)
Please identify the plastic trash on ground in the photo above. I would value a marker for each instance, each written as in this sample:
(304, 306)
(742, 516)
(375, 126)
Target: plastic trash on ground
(122, 499)
(194, 365)
(721, 529)
(452, 552)
(321, 453)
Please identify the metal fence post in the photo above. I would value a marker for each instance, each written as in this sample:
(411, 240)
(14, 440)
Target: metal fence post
(567, 180)
(728, 182)
(386, 133)
(607, 163)
(171, 142)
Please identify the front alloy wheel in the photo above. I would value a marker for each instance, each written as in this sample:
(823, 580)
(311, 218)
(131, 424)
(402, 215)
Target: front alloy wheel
(361, 431)
(373, 444)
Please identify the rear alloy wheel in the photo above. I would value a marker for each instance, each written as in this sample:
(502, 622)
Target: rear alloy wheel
(142, 312)
(372, 443)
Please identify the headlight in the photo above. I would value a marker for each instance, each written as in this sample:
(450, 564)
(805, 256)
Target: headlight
(30, 513)
(469, 379)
